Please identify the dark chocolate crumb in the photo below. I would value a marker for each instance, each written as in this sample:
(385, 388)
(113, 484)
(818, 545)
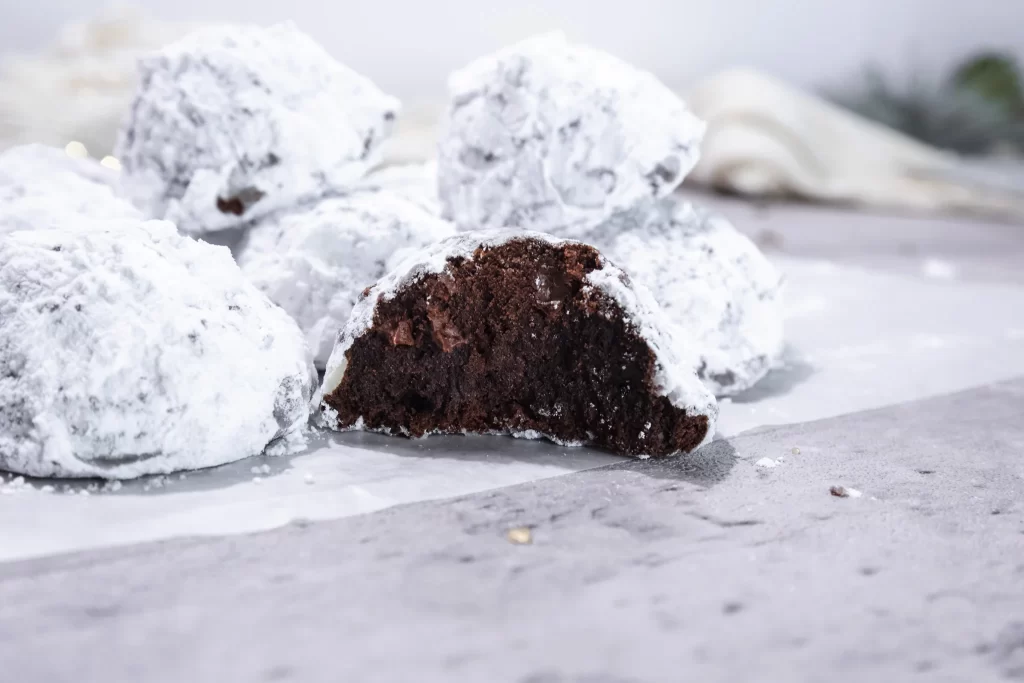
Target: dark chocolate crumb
(512, 340)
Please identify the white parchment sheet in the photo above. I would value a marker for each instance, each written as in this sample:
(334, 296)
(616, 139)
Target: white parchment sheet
(858, 340)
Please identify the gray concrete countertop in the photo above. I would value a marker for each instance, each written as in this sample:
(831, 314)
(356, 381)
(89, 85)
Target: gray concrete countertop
(711, 568)
(977, 250)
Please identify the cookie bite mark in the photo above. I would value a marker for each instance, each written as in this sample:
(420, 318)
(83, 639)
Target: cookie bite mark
(519, 334)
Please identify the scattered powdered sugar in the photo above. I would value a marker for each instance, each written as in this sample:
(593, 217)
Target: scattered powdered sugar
(315, 261)
(712, 283)
(767, 463)
(39, 184)
(546, 134)
(128, 349)
(534, 435)
(528, 434)
(233, 122)
(416, 183)
(14, 485)
(938, 269)
(674, 376)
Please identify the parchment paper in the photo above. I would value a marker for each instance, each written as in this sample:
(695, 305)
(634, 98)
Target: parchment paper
(857, 340)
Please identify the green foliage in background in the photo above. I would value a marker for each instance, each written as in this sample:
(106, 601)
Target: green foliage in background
(995, 78)
(977, 110)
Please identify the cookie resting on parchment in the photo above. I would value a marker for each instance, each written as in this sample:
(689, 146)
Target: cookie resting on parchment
(516, 333)
(128, 349)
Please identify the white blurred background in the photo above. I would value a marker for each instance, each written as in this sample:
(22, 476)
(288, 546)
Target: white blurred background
(408, 46)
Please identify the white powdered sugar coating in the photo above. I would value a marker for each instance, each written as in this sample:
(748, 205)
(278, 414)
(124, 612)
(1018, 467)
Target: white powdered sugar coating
(129, 350)
(712, 283)
(38, 184)
(549, 135)
(415, 182)
(674, 376)
(250, 119)
(315, 260)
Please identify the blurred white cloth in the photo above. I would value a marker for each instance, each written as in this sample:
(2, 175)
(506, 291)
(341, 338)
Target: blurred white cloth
(766, 138)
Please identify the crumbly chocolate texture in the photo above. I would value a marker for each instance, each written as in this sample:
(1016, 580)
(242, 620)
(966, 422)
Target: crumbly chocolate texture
(512, 339)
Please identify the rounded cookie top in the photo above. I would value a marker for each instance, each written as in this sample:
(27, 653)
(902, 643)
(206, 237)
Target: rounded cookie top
(549, 135)
(233, 122)
(315, 260)
(38, 184)
(674, 377)
(711, 282)
(129, 349)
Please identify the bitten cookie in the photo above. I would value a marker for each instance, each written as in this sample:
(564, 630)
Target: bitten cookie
(516, 333)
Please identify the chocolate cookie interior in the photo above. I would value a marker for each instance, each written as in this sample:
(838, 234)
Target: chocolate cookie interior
(512, 340)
